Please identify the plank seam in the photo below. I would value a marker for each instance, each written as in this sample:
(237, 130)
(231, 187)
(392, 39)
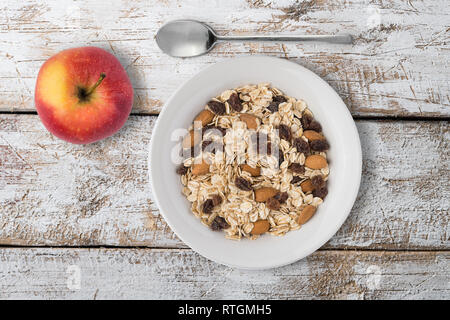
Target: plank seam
(189, 249)
(355, 117)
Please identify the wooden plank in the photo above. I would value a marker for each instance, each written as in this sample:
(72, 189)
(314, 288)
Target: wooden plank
(398, 65)
(54, 193)
(177, 274)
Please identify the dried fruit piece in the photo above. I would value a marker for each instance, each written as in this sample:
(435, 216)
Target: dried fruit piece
(190, 152)
(260, 227)
(282, 197)
(250, 120)
(191, 139)
(217, 199)
(307, 186)
(273, 204)
(317, 181)
(306, 214)
(280, 156)
(205, 116)
(206, 143)
(295, 179)
(315, 162)
(234, 102)
(312, 135)
(254, 172)
(320, 192)
(264, 193)
(301, 145)
(243, 184)
(297, 168)
(306, 121)
(269, 148)
(314, 125)
(219, 223)
(285, 132)
(274, 105)
(217, 107)
(208, 206)
(279, 99)
(319, 145)
(210, 146)
(200, 168)
(182, 170)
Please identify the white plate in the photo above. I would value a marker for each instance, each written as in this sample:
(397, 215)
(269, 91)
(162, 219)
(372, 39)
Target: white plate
(345, 162)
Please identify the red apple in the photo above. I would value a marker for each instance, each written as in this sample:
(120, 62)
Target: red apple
(83, 95)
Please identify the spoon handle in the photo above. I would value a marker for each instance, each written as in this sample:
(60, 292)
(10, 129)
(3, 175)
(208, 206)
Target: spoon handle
(342, 38)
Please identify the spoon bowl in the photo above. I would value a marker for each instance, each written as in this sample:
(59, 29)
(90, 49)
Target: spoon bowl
(185, 38)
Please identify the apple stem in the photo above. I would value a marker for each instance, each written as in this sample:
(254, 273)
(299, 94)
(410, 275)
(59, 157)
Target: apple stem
(102, 76)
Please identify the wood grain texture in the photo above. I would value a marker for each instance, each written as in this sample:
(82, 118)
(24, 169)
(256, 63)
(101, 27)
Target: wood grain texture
(399, 65)
(54, 193)
(176, 274)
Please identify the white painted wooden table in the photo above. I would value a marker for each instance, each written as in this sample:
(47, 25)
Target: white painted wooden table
(68, 209)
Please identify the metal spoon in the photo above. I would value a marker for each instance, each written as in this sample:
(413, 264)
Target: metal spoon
(190, 38)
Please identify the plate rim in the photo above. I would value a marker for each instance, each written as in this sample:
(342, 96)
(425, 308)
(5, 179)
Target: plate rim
(294, 258)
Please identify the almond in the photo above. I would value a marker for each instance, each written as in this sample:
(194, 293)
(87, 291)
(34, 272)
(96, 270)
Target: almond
(250, 120)
(191, 139)
(205, 117)
(307, 186)
(315, 162)
(306, 214)
(253, 171)
(312, 135)
(264, 193)
(199, 169)
(260, 227)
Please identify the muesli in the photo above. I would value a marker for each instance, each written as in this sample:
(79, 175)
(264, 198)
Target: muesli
(254, 162)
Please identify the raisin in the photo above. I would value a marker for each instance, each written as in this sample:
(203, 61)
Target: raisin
(285, 132)
(279, 99)
(217, 107)
(280, 157)
(282, 197)
(319, 145)
(297, 168)
(216, 199)
(269, 148)
(301, 145)
(321, 192)
(208, 206)
(235, 103)
(273, 204)
(210, 146)
(306, 121)
(214, 147)
(190, 152)
(314, 125)
(273, 107)
(243, 184)
(296, 179)
(219, 223)
(317, 182)
(205, 144)
(181, 170)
